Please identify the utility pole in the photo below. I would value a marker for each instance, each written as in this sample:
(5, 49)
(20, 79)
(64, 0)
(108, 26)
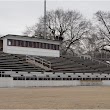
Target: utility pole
(44, 19)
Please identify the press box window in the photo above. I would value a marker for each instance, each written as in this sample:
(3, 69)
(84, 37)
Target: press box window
(9, 42)
(44, 46)
(30, 44)
(20, 43)
(34, 44)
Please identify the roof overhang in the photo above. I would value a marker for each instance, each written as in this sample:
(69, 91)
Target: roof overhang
(29, 38)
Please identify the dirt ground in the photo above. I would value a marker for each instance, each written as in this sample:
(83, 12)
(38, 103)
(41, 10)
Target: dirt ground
(80, 97)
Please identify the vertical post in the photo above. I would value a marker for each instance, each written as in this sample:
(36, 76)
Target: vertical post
(50, 65)
(44, 18)
(42, 62)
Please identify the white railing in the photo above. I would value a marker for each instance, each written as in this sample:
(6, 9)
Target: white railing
(85, 56)
(94, 59)
(101, 62)
(39, 62)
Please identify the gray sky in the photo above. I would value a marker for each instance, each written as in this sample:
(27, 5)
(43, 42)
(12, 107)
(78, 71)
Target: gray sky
(16, 15)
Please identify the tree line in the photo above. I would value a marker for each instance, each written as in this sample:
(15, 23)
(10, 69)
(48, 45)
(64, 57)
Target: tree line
(79, 35)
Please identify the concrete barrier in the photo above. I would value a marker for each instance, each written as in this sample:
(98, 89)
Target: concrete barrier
(9, 82)
(6, 82)
(92, 83)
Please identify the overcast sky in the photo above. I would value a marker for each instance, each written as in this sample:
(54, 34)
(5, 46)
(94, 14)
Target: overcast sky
(16, 15)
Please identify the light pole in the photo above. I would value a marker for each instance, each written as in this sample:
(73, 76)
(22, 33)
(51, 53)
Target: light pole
(45, 19)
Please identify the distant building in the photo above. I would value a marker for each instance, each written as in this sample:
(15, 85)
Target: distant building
(16, 44)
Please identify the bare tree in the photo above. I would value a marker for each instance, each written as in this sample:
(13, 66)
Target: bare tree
(78, 30)
(103, 26)
(69, 25)
(57, 23)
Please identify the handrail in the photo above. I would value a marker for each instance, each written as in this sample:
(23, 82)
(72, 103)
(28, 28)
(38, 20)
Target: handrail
(85, 56)
(94, 60)
(39, 60)
(101, 62)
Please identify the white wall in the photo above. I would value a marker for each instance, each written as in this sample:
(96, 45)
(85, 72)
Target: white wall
(6, 82)
(4, 45)
(32, 51)
(29, 83)
(92, 83)
(9, 82)
(106, 83)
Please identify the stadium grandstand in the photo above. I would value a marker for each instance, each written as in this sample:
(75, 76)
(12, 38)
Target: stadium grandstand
(32, 62)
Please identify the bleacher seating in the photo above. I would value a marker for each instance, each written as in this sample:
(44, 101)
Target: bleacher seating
(76, 64)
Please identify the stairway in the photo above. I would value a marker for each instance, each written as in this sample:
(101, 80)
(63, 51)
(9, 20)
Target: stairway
(40, 62)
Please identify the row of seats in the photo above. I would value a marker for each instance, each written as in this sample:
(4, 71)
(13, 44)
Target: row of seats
(60, 64)
(16, 63)
(78, 64)
(52, 75)
(35, 78)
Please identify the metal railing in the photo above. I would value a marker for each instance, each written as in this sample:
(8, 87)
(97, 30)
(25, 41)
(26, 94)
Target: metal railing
(37, 60)
(94, 59)
(85, 56)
